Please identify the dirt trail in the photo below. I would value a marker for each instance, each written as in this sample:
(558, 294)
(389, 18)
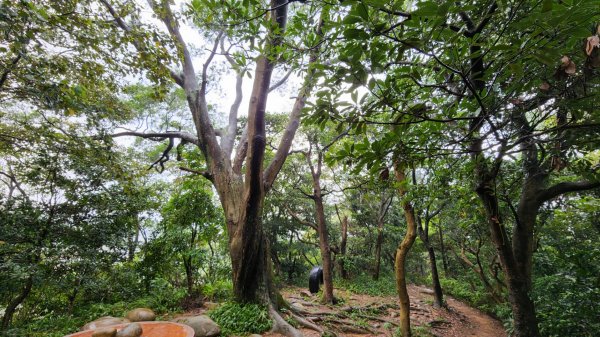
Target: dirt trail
(371, 316)
(378, 316)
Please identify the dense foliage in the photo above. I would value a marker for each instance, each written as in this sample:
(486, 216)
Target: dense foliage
(125, 176)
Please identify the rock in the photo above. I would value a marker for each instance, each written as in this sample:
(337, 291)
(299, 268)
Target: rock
(104, 321)
(131, 330)
(297, 306)
(105, 332)
(141, 315)
(203, 326)
(211, 305)
(426, 291)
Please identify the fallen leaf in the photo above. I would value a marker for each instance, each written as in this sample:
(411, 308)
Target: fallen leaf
(544, 86)
(592, 42)
(565, 61)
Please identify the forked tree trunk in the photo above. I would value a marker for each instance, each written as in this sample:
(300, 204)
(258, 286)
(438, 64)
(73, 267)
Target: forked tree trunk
(402, 252)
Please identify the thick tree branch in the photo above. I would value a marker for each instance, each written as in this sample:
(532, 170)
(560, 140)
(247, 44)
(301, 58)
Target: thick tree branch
(300, 220)
(566, 187)
(205, 174)
(294, 120)
(160, 136)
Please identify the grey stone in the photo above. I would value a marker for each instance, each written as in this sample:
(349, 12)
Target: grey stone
(141, 315)
(203, 326)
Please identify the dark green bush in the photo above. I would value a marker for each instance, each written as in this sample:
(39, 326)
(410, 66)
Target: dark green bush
(241, 319)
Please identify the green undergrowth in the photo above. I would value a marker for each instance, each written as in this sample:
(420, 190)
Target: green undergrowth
(241, 319)
(53, 323)
(364, 284)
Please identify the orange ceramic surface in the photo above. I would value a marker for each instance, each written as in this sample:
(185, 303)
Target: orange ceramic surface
(150, 329)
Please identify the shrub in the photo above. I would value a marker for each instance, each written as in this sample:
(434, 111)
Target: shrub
(241, 319)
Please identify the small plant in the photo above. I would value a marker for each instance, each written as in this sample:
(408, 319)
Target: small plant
(241, 319)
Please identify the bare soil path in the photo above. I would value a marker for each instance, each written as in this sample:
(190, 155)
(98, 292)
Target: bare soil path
(367, 316)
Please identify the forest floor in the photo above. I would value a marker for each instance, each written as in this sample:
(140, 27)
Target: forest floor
(366, 316)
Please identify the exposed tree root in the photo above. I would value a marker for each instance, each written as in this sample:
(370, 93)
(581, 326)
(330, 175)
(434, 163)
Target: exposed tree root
(307, 322)
(280, 325)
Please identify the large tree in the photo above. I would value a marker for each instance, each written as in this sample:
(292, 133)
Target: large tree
(241, 178)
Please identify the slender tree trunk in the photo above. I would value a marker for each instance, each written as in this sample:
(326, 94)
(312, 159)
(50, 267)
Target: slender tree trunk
(12, 306)
(401, 254)
(343, 271)
(438, 296)
(443, 250)
(325, 250)
(384, 206)
(378, 251)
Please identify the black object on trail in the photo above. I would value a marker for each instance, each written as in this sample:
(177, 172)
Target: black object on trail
(315, 279)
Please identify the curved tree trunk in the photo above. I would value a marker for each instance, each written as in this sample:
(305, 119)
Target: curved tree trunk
(12, 306)
(401, 254)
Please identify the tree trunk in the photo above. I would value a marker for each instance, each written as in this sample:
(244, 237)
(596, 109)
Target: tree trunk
(525, 321)
(12, 306)
(438, 296)
(401, 254)
(325, 250)
(378, 251)
(344, 240)
(384, 206)
(443, 250)
(189, 274)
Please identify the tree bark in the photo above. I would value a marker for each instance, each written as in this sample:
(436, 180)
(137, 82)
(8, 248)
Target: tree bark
(402, 252)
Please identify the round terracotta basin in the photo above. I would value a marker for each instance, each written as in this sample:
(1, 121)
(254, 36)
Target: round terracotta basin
(150, 329)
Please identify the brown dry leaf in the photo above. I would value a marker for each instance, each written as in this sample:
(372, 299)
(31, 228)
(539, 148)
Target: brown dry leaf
(567, 65)
(592, 42)
(570, 69)
(544, 86)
